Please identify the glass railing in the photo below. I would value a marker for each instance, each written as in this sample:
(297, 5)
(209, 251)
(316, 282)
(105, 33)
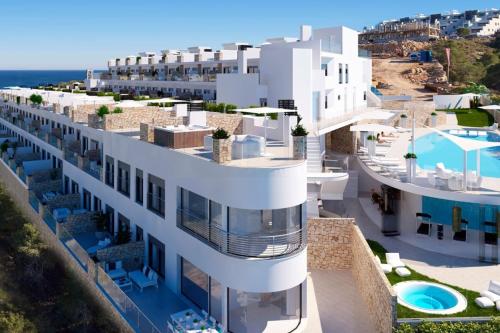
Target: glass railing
(71, 157)
(49, 219)
(78, 252)
(95, 171)
(33, 200)
(22, 175)
(53, 141)
(130, 311)
(250, 245)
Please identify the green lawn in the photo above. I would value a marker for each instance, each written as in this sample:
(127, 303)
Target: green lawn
(472, 117)
(403, 312)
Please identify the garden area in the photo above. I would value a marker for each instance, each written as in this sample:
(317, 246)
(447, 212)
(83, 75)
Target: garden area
(403, 312)
(37, 293)
(472, 117)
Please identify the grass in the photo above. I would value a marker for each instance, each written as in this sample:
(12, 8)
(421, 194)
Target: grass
(472, 309)
(472, 117)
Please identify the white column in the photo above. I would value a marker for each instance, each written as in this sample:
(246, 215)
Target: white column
(413, 133)
(465, 170)
(478, 162)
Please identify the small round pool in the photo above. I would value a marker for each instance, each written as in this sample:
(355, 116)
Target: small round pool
(430, 297)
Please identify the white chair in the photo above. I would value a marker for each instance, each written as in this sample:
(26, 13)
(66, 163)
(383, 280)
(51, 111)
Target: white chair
(493, 292)
(386, 268)
(145, 278)
(403, 271)
(442, 172)
(392, 258)
(432, 179)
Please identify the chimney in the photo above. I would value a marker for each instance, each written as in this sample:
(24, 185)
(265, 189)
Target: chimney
(305, 33)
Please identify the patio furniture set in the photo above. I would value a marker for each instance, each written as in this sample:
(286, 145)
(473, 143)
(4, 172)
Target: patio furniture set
(188, 321)
(144, 278)
(454, 181)
(393, 262)
(490, 297)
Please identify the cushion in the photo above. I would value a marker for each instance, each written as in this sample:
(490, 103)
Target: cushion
(150, 274)
(145, 270)
(494, 287)
(484, 302)
(118, 264)
(494, 297)
(403, 272)
(386, 268)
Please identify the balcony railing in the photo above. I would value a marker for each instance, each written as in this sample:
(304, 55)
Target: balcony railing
(249, 246)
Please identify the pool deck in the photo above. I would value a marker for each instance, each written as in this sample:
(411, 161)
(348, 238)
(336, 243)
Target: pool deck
(399, 147)
(462, 272)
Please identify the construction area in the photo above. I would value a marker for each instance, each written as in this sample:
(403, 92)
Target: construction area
(400, 31)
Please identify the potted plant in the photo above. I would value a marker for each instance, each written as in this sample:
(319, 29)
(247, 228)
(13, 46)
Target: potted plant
(221, 146)
(403, 120)
(411, 165)
(433, 119)
(102, 111)
(299, 135)
(371, 143)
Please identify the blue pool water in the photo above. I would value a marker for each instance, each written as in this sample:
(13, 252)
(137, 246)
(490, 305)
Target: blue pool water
(434, 148)
(428, 297)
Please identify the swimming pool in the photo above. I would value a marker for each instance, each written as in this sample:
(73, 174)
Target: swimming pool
(430, 297)
(434, 148)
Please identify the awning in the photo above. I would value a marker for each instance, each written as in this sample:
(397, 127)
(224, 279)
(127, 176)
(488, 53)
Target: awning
(372, 128)
(467, 144)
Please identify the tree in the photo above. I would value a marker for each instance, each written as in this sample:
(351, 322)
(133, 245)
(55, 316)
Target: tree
(492, 77)
(102, 111)
(463, 32)
(36, 99)
(11, 322)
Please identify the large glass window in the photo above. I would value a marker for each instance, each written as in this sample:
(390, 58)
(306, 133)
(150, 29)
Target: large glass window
(340, 74)
(139, 186)
(264, 222)
(215, 299)
(110, 171)
(194, 284)
(250, 312)
(346, 73)
(156, 195)
(156, 255)
(124, 178)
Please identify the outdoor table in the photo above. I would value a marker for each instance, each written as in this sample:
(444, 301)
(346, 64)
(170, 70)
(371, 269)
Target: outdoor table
(61, 213)
(191, 322)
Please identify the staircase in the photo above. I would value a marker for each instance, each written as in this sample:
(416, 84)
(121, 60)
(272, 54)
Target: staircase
(314, 159)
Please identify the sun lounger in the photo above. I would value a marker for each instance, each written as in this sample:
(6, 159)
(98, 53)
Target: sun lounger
(481, 133)
(403, 271)
(454, 132)
(442, 172)
(402, 129)
(383, 161)
(493, 291)
(484, 302)
(473, 133)
(115, 270)
(386, 268)
(394, 260)
(462, 132)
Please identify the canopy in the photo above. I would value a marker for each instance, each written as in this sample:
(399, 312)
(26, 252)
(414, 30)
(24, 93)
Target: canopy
(263, 110)
(490, 107)
(467, 144)
(372, 128)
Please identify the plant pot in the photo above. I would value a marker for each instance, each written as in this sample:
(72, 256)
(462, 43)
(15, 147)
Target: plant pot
(403, 122)
(300, 147)
(411, 168)
(371, 147)
(221, 150)
(433, 120)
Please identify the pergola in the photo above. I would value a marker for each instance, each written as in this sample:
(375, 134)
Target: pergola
(491, 107)
(468, 145)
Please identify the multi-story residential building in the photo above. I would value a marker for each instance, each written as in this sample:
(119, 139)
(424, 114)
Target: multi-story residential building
(422, 27)
(225, 238)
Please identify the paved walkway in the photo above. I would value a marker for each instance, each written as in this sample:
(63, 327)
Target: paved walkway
(466, 273)
(335, 305)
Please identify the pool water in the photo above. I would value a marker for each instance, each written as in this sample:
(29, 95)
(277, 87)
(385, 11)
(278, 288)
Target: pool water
(434, 148)
(429, 297)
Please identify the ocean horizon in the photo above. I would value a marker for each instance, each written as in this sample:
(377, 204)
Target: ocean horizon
(33, 78)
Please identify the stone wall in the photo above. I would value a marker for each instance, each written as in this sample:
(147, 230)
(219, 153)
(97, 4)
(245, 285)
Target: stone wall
(133, 117)
(47, 186)
(18, 192)
(81, 112)
(147, 129)
(71, 201)
(341, 141)
(131, 254)
(329, 243)
(378, 294)
(232, 123)
(80, 223)
(337, 243)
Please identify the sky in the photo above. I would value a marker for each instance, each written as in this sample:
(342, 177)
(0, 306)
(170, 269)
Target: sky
(56, 34)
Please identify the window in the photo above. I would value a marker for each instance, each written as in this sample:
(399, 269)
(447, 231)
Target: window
(87, 200)
(97, 204)
(74, 187)
(364, 95)
(110, 171)
(124, 178)
(324, 67)
(156, 255)
(346, 73)
(326, 102)
(156, 195)
(139, 234)
(194, 284)
(139, 186)
(245, 309)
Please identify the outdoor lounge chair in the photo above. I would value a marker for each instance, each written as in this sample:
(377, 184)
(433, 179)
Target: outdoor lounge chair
(145, 278)
(115, 270)
(442, 172)
(100, 245)
(493, 292)
(403, 271)
(394, 260)
(386, 268)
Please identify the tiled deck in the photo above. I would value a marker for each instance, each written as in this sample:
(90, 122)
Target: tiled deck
(335, 304)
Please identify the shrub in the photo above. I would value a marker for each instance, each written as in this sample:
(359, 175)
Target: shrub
(102, 111)
(15, 323)
(474, 88)
(491, 326)
(371, 138)
(118, 110)
(4, 146)
(410, 155)
(299, 130)
(220, 134)
(18, 100)
(404, 116)
(116, 97)
(36, 99)
(434, 114)
(221, 107)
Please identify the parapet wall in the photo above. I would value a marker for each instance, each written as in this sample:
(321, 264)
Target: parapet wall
(232, 123)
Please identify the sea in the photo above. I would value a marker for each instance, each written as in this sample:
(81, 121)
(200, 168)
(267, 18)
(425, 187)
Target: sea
(33, 78)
